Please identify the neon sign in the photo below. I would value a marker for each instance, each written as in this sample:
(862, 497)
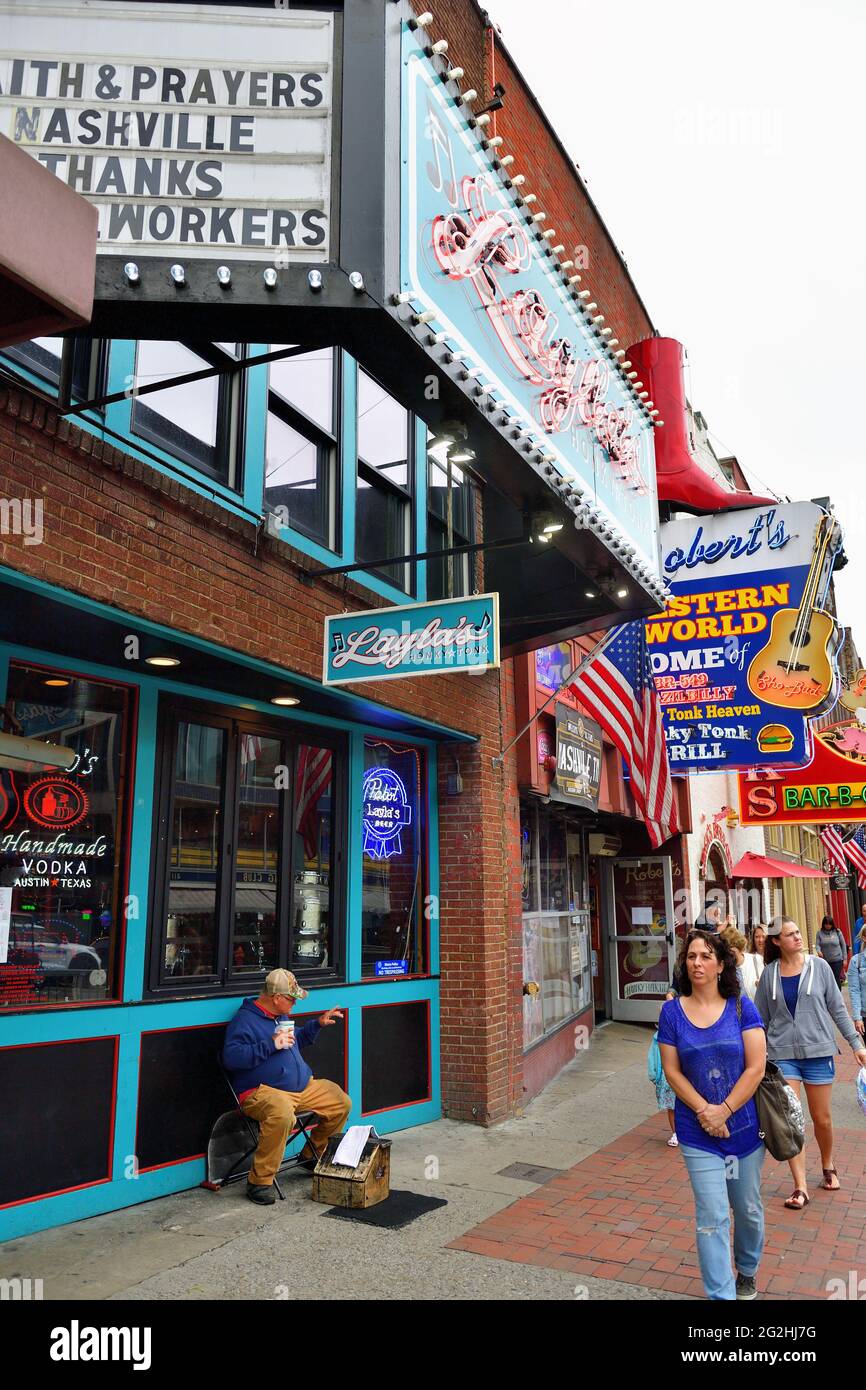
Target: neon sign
(55, 803)
(387, 812)
(480, 245)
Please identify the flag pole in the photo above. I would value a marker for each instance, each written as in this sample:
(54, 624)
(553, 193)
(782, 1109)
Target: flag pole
(574, 675)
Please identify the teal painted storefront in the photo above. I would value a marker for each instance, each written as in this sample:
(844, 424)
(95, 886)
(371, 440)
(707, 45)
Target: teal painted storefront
(135, 1015)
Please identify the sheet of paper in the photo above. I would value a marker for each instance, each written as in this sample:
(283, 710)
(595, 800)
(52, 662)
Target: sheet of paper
(5, 918)
(351, 1146)
(641, 916)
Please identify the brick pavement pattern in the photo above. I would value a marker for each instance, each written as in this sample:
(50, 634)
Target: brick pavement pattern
(626, 1213)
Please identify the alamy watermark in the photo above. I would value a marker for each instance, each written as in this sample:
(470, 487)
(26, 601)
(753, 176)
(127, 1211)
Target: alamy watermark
(23, 516)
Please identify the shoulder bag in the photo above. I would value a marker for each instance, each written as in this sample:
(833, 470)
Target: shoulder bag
(780, 1115)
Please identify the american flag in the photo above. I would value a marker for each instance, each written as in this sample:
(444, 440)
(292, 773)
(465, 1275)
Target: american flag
(313, 780)
(618, 690)
(832, 842)
(857, 856)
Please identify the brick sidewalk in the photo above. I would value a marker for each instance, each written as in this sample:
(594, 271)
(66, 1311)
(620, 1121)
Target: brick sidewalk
(626, 1213)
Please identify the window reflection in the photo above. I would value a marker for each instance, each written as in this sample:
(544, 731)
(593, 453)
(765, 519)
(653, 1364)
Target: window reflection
(394, 861)
(196, 851)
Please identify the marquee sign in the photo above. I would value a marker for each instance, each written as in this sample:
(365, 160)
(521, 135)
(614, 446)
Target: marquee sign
(470, 261)
(743, 655)
(417, 639)
(201, 129)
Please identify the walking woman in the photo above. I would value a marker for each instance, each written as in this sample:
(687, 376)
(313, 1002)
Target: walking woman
(799, 1001)
(857, 984)
(759, 936)
(749, 967)
(832, 947)
(714, 1053)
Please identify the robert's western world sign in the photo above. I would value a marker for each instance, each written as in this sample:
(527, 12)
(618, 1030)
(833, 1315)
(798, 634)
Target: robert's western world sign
(743, 654)
(204, 128)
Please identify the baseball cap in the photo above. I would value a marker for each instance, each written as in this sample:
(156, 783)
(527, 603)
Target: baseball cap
(284, 982)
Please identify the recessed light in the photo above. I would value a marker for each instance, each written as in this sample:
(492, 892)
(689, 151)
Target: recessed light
(58, 681)
(285, 700)
(161, 661)
(589, 594)
(622, 593)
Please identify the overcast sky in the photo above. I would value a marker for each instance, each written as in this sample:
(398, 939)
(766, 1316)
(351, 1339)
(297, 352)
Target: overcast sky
(723, 146)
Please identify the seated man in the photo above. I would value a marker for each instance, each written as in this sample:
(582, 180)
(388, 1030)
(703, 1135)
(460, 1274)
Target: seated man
(273, 1081)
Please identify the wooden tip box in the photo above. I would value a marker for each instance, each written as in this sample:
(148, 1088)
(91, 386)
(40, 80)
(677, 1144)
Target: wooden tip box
(364, 1186)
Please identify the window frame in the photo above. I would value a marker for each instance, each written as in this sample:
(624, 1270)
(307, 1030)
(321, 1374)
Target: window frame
(467, 560)
(89, 365)
(329, 445)
(378, 480)
(425, 876)
(231, 417)
(224, 981)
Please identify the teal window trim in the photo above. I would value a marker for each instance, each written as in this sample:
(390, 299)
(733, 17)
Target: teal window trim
(421, 481)
(118, 417)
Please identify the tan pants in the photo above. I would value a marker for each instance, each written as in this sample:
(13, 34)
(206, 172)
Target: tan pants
(275, 1111)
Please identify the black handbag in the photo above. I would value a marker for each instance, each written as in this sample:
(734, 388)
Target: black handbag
(781, 1121)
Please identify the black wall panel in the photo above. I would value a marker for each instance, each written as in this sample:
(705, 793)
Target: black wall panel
(182, 1090)
(57, 1104)
(395, 1055)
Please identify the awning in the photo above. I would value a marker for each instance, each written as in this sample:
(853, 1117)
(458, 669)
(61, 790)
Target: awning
(757, 866)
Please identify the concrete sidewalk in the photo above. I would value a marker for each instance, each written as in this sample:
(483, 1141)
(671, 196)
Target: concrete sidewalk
(201, 1245)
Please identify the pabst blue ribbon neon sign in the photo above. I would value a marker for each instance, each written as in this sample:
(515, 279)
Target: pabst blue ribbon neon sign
(387, 812)
(483, 246)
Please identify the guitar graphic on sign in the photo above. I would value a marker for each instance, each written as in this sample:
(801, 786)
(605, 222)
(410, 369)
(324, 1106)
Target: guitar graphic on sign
(795, 667)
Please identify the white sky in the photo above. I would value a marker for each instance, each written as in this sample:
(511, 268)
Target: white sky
(723, 146)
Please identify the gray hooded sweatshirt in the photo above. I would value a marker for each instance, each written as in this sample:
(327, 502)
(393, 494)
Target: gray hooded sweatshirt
(819, 1005)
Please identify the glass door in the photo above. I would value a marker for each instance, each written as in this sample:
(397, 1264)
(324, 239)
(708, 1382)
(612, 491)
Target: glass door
(639, 917)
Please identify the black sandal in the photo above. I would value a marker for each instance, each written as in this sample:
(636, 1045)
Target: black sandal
(793, 1205)
(826, 1184)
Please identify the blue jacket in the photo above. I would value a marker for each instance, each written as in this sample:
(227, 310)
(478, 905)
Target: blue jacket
(252, 1060)
(857, 984)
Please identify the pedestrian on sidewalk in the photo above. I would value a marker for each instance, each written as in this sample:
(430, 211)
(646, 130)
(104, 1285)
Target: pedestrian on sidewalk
(749, 968)
(857, 984)
(756, 945)
(799, 1000)
(832, 947)
(714, 1061)
(665, 1098)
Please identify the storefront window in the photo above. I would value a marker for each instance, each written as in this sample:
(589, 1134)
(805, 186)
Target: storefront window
(556, 947)
(250, 870)
(394, 843)
(63, 840)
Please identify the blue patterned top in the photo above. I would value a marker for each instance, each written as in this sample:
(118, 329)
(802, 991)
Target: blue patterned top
(713, 1060)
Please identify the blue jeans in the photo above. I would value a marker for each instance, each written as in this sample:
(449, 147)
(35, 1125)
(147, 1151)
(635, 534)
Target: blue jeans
(717, 1182)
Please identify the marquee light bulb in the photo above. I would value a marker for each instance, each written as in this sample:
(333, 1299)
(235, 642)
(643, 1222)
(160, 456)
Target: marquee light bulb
(440, 46)
(178, 275)
(469, 95)
(454, 74)
(422, 20)
(224, 276)
(269, 275)
(132, 273)
(518, 180)
(314, 280)
(558, 249)
(483, 119)
(493, 143)
(356, 280)
(506, 160)
(530, 198)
